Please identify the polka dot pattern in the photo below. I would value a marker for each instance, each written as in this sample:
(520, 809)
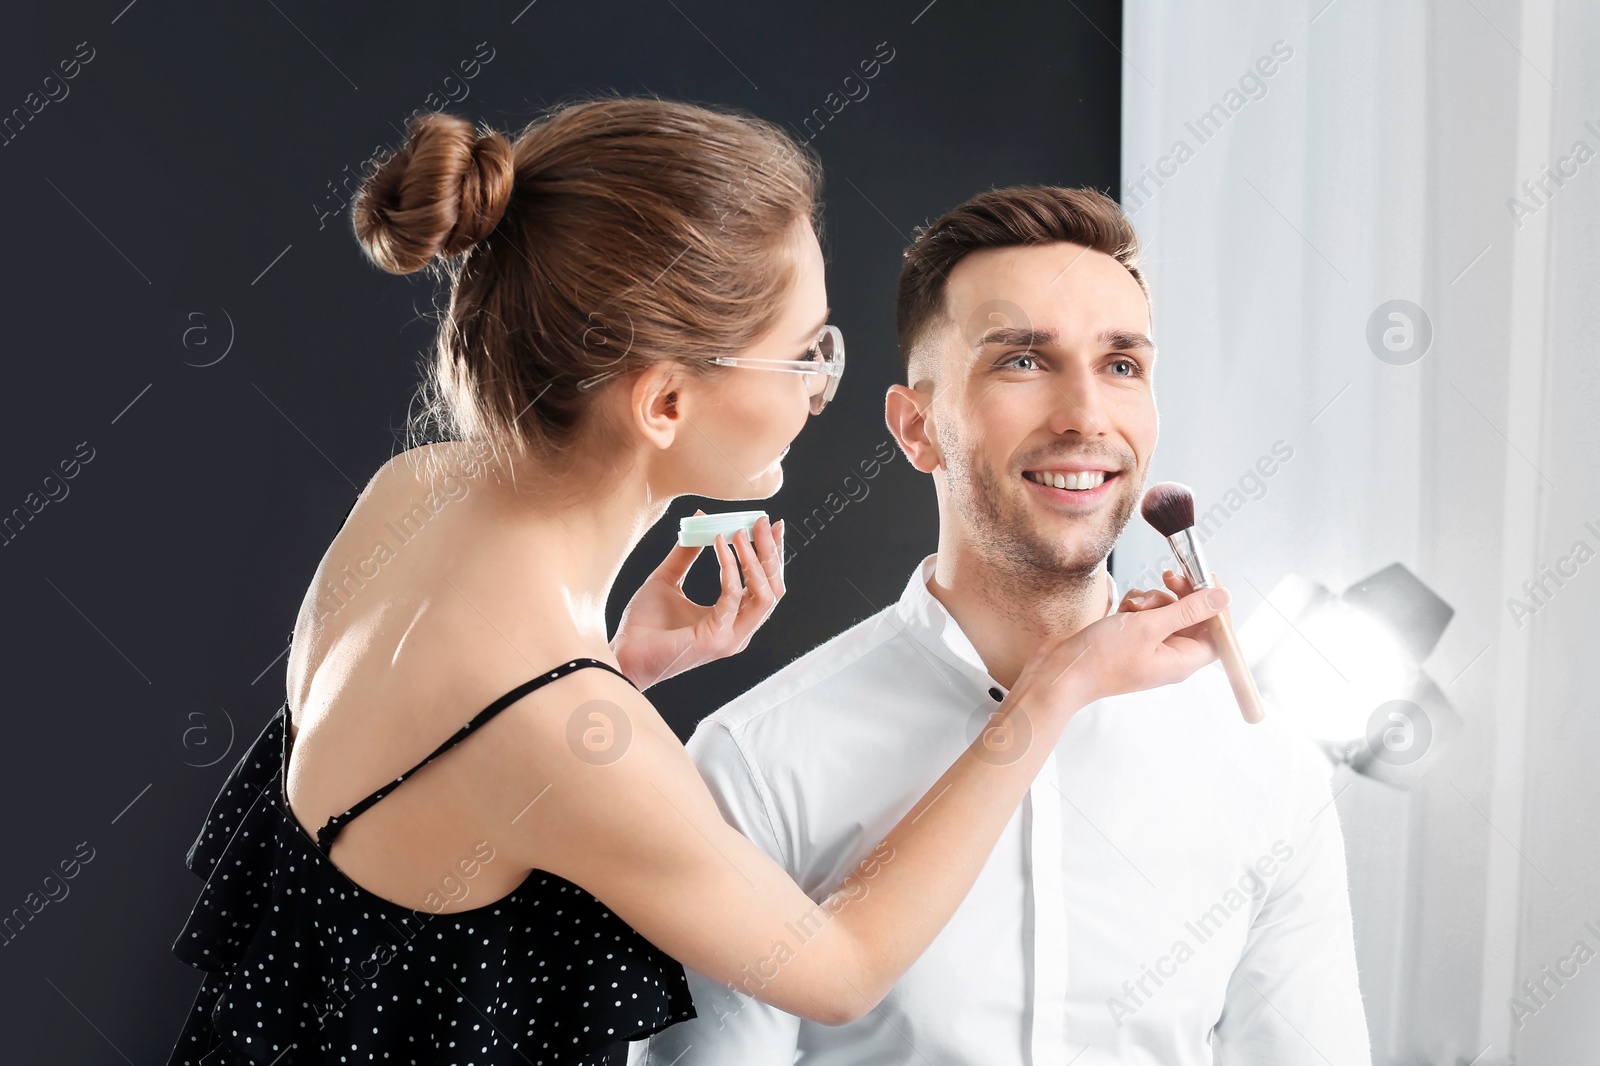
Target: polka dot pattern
(302, 965)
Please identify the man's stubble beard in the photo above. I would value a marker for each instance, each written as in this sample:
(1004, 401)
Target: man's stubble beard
(1024, 565)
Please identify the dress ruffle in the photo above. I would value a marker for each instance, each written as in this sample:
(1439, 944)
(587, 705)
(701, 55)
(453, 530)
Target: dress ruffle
(305, 966)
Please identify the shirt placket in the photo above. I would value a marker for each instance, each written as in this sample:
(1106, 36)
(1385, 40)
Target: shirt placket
(1047, 1036)
(1047, 948)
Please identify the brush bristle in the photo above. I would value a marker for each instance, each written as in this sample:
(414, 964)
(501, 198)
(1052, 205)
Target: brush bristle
(1169, 507)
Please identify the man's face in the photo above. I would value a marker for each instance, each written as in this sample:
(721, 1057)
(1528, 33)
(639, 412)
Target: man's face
(1045, 372)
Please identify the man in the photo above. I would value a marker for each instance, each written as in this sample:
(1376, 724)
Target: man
(1173, 888)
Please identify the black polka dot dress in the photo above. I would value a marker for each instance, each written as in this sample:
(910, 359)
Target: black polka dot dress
(305, 966)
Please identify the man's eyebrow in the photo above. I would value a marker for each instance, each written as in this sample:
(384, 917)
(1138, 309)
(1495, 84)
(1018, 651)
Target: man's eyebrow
(1021, 337)
(1122, 339)
(1015, 337)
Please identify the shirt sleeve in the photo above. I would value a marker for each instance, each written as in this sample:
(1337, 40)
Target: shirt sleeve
(731, 1029)
(1294, 999)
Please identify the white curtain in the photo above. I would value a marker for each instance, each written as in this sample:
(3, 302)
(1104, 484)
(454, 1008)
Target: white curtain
(1320, 189)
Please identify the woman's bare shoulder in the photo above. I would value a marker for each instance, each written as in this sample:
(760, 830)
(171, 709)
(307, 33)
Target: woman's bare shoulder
(415, 585)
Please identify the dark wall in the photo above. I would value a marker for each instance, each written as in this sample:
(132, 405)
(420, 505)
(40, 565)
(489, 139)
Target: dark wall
(195, 337)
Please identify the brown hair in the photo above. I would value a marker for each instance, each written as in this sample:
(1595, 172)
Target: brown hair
(1004, 218)
(606, 235)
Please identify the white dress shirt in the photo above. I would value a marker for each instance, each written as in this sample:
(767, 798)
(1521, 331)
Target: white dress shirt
(1171, 891)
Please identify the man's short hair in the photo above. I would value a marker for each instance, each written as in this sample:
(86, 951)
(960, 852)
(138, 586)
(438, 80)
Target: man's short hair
(1004, 218)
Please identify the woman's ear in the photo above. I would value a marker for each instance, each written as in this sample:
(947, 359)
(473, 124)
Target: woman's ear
(655, 402)
(909, 413)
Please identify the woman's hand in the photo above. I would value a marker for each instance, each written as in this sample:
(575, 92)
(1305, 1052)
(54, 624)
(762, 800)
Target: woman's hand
(1153, 638)
(664, 633)
(1142, 600)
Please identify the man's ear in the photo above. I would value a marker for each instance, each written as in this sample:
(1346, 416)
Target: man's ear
(909, 413)
(656, 402)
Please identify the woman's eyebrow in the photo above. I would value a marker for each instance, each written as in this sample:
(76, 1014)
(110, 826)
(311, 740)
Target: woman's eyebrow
(816, 330)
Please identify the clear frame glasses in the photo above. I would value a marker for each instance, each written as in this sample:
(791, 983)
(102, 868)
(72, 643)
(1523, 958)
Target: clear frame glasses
(822, 366)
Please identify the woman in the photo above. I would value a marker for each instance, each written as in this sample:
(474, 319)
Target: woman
(618, 275)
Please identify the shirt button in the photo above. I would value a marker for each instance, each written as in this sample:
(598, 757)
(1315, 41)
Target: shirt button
(996, 694)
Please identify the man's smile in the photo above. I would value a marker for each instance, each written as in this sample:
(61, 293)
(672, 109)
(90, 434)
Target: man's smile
(1078, 486)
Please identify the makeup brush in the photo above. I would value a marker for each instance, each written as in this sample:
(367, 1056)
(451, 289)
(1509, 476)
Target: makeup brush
(1169, 507)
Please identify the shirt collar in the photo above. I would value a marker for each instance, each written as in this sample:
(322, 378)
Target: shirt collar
(935, 627)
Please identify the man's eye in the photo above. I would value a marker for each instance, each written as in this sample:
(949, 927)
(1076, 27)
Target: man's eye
(1012, 360)
(1134, 369)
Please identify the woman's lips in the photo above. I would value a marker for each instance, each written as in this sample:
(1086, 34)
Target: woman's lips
(1074, 497)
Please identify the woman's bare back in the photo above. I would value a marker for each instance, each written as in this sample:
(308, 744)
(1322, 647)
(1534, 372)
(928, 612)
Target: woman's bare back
(417, 618)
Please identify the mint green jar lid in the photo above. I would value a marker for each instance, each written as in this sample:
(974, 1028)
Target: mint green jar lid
(701, 530)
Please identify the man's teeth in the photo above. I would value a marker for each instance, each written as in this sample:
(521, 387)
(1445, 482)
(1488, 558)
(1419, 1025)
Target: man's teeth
(1088, 479)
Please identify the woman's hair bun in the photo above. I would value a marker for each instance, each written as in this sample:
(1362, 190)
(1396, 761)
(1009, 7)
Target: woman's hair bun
(444, 190)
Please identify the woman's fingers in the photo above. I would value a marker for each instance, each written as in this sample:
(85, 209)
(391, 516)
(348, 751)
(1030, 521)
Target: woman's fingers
(1181, 585)
(1182, 641)
(732, 589)
(769, 549)
(1136, 647)
(675, 567)
(1143, 600)
(766, 541)
(757, 583)
(1185, 613)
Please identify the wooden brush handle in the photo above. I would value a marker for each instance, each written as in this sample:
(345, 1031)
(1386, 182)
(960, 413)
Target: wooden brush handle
(1232, 656)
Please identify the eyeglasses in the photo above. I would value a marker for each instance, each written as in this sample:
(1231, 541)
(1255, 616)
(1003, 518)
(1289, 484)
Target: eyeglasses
(822, 365)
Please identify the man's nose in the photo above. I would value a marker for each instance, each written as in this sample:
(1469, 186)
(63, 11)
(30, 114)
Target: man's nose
(1076, 404)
